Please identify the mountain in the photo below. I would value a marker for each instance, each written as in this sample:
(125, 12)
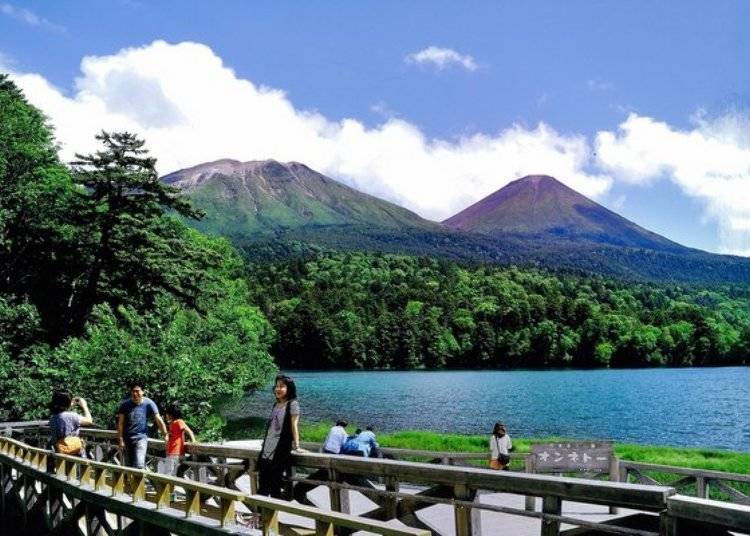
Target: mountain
(541, 207)
(273, 211)
(262, 198)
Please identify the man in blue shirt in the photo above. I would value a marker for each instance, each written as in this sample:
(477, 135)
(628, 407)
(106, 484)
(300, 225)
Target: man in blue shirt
(132, 425)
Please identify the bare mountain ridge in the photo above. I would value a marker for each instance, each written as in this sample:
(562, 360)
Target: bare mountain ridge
(541, 206)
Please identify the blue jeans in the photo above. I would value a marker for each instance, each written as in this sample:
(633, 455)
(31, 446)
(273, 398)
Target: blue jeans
(135, 452)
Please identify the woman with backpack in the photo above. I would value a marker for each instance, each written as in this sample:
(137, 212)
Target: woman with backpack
(500, 447)
(65, 424)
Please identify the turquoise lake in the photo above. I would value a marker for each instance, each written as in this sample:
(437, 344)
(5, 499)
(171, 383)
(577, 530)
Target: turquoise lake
(695, 407)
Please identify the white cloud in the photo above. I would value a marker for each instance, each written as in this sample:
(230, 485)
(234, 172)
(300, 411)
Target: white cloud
(595, 84)
(440, 58)
(191, 109)
(710, 161)
(26, 16)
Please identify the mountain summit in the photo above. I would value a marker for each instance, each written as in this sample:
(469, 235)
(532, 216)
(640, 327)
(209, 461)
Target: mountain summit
(541, 207)
(256, 198)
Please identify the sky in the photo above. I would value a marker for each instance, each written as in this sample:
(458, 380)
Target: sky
(643, 106)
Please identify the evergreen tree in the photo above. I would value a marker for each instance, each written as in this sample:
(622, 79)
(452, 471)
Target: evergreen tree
(134, 250)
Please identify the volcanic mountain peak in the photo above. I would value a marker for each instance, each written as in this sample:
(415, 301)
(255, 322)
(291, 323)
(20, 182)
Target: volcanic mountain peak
(261, 196)
(540, 206)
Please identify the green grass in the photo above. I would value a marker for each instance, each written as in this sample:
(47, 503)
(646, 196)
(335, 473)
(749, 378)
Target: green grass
(717, 460)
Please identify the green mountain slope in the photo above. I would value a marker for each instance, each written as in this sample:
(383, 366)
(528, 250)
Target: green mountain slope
(260, 198)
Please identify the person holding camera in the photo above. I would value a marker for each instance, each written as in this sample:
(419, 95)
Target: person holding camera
(65, 424)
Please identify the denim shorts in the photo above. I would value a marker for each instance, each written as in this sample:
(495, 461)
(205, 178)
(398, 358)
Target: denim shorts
(135, 452)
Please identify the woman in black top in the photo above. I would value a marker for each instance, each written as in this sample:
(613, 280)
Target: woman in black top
(282, 437)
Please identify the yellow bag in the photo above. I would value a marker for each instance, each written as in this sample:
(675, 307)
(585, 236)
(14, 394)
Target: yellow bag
(71, 445)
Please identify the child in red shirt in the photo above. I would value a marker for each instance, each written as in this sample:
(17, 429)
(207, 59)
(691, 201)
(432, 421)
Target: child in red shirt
(176, 438)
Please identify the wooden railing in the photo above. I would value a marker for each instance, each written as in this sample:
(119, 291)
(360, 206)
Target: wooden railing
(122, 491)
(445, 483)
(703, 481)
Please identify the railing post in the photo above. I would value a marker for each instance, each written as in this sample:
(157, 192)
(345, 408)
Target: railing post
(551, 505)
(270, 520)
(390, 504)
(226, 511)
(334, 493)
(667, 524)
(529, 468)
(614, 476)
(462, 514)
(701, 487)
(163, 494)
(323, 528)
(192, 502)
(138, 487)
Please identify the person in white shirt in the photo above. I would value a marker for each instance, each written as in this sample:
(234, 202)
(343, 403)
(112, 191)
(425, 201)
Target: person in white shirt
(336, 438)
(500, 447)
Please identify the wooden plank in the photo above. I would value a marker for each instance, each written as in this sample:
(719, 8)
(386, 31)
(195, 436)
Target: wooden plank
(729, 515)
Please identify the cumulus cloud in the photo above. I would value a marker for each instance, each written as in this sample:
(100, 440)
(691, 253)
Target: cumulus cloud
(26, 16)
(441, 58)
(710, 161)
(191, 108)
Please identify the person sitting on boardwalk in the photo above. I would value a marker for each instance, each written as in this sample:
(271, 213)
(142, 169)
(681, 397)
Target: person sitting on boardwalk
(336, 438)
(132, 425)
(65, 425)
(500, 447)
(175, 448)
(282, 436)
(361, 444)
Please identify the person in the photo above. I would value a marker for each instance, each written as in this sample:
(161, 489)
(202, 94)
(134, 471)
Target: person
(281, 438)
(65, 424)
(334, 441)
(500, 447)
(178, 429)
(351, 445)
(362, 444)
(132, 425)
(336, 438)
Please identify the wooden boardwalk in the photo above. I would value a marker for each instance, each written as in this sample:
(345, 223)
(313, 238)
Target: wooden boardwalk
(346, 495)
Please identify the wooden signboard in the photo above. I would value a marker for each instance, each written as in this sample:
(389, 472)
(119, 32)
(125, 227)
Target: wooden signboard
(580, 456)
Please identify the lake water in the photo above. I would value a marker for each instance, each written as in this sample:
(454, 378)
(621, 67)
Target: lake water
(707, 407)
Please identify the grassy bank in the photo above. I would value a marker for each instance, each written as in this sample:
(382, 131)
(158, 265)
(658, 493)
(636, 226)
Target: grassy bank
(717, 460)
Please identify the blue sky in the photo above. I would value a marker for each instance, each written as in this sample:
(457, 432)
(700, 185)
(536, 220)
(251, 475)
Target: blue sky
(641, 105)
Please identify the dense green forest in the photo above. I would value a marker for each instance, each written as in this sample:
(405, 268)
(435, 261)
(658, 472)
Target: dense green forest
(101, 282)
(343, 310)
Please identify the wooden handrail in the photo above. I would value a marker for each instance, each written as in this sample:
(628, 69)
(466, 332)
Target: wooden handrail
(67, 467)
(705, 473)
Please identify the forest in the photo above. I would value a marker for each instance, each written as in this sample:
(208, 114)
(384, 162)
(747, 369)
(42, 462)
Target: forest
(101, 280)
(364, 310)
